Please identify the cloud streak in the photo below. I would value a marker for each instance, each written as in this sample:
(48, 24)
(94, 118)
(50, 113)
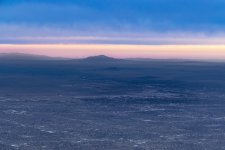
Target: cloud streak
(116, 40)
(23, 34)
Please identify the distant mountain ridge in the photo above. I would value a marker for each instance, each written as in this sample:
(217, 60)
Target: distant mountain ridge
(99, 58)
(22, 56)
(91, 59)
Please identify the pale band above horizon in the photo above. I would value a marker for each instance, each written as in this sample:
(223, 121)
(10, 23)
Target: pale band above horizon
(211, 52)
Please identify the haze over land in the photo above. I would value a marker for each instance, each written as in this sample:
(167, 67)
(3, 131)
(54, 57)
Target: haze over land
(105, 103)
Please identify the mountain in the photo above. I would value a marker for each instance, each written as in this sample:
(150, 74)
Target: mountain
(100, 58)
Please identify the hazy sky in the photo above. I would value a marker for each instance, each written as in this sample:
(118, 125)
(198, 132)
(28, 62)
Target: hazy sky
(120, 28)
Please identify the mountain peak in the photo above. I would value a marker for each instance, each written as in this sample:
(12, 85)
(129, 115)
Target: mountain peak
(100, 58)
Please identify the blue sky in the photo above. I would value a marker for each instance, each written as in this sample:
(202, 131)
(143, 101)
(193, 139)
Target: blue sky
(127, 21)
(158, 15)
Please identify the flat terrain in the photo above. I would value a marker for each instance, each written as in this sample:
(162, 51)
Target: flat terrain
(108, 104)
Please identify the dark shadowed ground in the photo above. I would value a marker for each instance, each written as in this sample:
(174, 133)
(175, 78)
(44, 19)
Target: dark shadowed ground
(107, 104)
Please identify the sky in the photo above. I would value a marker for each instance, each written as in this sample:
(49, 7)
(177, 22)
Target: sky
(181, 29)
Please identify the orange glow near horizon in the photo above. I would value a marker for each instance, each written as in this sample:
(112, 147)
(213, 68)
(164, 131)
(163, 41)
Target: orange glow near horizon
(119, 50)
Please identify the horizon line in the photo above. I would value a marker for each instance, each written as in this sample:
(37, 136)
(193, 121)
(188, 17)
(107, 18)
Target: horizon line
(125, 58)
(192, 52)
